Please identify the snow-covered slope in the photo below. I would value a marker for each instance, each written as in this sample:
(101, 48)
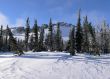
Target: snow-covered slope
(49, 65)
(19, 32)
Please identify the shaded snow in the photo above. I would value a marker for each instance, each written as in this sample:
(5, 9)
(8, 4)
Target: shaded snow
(47, 65)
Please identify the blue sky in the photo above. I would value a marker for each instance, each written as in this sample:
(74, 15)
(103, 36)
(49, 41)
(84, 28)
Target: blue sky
(15, 12)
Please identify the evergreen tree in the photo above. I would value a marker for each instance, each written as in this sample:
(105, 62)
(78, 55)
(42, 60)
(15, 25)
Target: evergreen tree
(58, 39)
(6, 42)
(50, 36)
(1, 38)
(72, 42)
(36, 45)
(5, 45)
(95, 45)
(41, 39)
(31, 45)
(104, 38)
(78, 35)
(27, 31)
(46, 42)
(67, 44)
(13, 43)
(85, 35)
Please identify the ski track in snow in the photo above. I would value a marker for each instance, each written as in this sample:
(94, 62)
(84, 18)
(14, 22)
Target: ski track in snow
(49, 65)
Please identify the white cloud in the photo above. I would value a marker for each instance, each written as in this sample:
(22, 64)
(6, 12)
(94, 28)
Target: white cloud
(4, 20)
(19, 22)
(93, 16)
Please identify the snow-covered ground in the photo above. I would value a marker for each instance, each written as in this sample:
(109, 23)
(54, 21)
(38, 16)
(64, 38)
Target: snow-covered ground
(54, 65)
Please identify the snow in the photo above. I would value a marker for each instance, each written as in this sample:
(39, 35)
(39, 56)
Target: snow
(54, 65)
(20, 36)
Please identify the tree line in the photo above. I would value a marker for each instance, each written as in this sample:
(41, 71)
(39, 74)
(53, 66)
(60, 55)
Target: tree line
(83, 38)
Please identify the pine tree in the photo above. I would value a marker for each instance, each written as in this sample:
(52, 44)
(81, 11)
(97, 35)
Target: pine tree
(79, 35)
(31, 45)
(72, 42)
(6, 42)
(46, 42)
(58, 39)
(36, 45)
(85, 35)
(104, 38)
(50, 36)
(41, 39)
(1, 38)
(13, 43)
(27, 31)
(95, 47)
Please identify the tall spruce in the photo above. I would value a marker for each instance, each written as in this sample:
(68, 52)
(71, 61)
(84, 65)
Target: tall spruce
(86, 35)
(1, 38)
(58, 39)
(94, 46)
(6, 42)
(27, 31)
(79, 34)
(72, 42)
(104, 38)
(13, 43)
(35, 29)
(41, 39)
(50, 36)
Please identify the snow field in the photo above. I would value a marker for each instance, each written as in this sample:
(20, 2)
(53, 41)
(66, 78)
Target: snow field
(54, 65)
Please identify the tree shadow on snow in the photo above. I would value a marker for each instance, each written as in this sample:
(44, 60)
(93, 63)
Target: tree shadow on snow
(47, 56)
(64, 57)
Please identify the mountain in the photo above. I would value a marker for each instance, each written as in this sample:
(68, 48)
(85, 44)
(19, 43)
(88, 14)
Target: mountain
(19, 32)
